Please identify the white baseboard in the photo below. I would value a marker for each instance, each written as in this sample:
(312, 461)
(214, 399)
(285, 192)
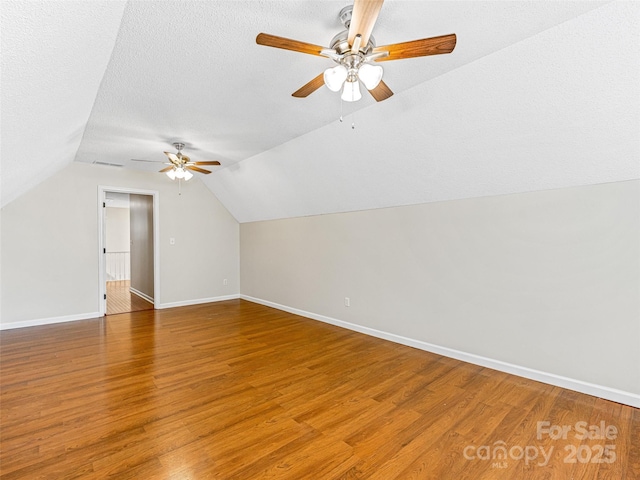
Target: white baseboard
(91, 315)
(142, 295)
(601, 391)
(47, 321)
(185, 303)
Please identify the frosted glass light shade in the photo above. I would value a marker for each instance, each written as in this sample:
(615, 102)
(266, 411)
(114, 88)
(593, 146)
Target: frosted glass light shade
(179, 172)
(351, 92)
(370, 75)
(335, 77)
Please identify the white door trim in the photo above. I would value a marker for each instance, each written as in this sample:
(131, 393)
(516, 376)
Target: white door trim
(102, 280)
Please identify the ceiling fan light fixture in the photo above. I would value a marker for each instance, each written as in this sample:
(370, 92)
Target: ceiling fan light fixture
(179, 173)
(335, 77)
(172, 174)
(370, 75)
(351, 91)
(187, 175)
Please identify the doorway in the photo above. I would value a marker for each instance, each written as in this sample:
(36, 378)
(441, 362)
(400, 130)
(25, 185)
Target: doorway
(128, 250)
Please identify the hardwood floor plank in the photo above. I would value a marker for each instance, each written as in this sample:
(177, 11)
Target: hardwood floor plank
(595, 450)
(632, 462)
(121, 300)
(236, 390)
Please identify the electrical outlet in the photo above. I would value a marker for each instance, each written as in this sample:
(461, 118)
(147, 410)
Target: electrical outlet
(347, 302)
(225, 282)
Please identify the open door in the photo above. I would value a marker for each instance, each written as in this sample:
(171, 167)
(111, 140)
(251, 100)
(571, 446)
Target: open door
(128, 250)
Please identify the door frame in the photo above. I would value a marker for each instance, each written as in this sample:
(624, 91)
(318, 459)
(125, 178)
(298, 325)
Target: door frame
(102, 276)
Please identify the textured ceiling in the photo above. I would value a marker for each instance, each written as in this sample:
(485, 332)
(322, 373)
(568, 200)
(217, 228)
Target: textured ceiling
(54, 55)
(536, 95)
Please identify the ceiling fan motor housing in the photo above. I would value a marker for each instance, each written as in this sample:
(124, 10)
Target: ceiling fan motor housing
(341, 45)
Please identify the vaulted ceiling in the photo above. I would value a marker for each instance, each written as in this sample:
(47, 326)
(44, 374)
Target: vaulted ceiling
(536, 95)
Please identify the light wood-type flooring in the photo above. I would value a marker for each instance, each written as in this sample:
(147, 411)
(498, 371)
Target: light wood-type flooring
(121, 300)
(236, 390)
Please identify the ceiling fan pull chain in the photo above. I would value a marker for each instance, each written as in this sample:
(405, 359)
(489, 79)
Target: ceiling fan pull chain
(341, 103)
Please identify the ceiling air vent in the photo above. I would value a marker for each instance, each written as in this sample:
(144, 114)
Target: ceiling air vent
(107, 164)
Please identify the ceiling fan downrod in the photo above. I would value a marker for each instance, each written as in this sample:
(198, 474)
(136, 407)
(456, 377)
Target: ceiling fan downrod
(345, 16)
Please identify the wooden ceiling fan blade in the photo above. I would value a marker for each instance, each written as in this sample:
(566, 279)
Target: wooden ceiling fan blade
(208, 162)
(166, 169)
(418, 48)
(381, 92)
(172, 158)
(288, 44)
(363, 18)
(310, 87)
(197, 169)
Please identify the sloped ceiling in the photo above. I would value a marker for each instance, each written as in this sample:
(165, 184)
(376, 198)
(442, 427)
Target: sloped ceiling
(53, 58)
(536, 95)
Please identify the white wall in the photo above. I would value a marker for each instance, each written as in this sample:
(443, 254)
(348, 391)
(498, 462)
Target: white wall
(50, 244)
(141, 229)
(117, 237)
(547, 281)
(117, 243)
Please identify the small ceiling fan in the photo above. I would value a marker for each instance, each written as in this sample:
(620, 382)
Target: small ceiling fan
(180, 164)
(354, 49)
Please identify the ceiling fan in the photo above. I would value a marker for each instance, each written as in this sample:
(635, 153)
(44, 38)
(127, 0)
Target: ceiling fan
(354, 49)
(180, 164)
